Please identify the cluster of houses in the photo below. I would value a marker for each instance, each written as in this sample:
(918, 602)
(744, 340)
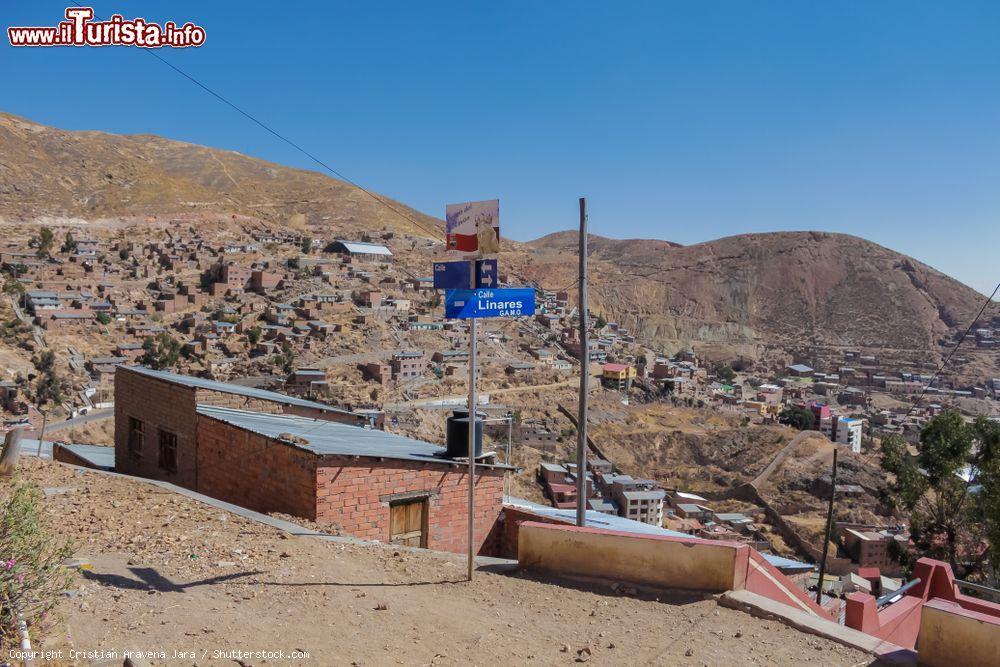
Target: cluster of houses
(608, 492)
(611, 492)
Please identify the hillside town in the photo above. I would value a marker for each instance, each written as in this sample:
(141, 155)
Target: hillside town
(342, 322)
(722, 389)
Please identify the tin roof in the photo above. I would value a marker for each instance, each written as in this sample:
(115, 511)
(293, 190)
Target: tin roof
(331, 438)
(224, 387)
(364, 248)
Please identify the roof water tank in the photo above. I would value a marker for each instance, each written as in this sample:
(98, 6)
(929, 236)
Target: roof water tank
(458, 434)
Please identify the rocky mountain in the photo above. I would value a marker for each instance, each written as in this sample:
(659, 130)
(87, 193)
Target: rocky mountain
(796, 289)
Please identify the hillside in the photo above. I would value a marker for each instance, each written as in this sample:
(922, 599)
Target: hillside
(50, 173)
(795, 289)
(167, 572)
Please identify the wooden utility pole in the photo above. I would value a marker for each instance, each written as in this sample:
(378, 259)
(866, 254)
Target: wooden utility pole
(829, 527)
(581, 431)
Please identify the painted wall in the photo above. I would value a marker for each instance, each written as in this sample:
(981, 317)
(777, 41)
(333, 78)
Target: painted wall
(954, 637)
(653, 560)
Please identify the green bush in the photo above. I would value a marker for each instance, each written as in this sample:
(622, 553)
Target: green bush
(31, 572)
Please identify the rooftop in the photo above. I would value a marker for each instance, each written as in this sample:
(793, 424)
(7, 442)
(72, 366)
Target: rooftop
(330, 438)
(364, 248)
(224, 387)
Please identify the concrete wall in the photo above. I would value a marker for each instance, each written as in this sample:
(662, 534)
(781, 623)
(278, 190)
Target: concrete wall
(254, 471)
(355, 493)
(954, 637)
(898, 623)
(513, 518)
(665, 562)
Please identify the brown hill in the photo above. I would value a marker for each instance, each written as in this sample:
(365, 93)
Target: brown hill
(797, 289)
(569, 240)
(50, 173)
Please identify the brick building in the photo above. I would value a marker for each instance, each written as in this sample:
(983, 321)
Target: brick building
(407, 365)
(275, 453)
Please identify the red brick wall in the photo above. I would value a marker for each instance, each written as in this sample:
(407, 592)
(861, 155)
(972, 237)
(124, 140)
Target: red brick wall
(254, 471)
(158, 404)
(355, 495)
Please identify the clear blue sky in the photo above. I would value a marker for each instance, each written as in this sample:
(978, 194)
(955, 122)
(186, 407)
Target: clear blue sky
(683, 121)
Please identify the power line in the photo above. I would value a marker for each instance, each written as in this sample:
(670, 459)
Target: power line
(941, 367)
(264, 126)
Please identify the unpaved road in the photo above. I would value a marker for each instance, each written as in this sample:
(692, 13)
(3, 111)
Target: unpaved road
(169, 573)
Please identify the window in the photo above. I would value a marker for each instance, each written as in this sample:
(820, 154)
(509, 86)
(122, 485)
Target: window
(168, 451)
(135, 437)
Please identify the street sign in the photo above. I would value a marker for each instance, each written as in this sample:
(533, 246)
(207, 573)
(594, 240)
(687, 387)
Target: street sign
(472, 229)
(464, 304)
(451, 275)
(486, 273)
(455, 275)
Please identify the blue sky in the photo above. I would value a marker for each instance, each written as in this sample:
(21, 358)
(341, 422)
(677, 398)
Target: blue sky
(683, 121)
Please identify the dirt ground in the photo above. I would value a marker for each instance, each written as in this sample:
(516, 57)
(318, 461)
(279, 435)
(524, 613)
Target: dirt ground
(171, 574)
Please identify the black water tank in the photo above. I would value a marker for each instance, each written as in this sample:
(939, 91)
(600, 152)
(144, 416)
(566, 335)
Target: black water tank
(458, 434)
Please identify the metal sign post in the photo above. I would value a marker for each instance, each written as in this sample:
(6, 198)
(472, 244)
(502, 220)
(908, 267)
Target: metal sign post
(472, 229)
(472, 427)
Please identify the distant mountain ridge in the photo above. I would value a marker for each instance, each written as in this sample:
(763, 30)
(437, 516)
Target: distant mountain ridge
(797, 289)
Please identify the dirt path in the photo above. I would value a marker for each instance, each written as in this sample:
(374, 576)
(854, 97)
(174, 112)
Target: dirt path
(780, 457)
(169, 573)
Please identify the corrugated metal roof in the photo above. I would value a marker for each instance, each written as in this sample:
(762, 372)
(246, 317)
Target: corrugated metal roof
(645, 495)
(365, 248)
(99, 457)
(249, 392)
(595, 519)
(324, 437)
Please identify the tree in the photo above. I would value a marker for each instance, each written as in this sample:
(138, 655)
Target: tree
(104, 318)
(161, 351)
(253, 335)
(48, 386)
(600, 322)
(307, 244)
(42, 242)
(951, 490)
(725, 373)
(69, 243)
(801, 418)
(285, 360)
(12, 286)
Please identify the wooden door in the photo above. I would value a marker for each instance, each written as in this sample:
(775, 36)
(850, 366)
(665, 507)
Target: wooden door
(408, 523)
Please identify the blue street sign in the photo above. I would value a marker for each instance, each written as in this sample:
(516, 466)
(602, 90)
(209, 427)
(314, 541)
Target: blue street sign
(464, 304)
(486, 273)
(455, 275)
(451, 275)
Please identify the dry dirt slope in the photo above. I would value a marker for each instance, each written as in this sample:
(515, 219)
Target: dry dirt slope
(170, 573)
(45, 171)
